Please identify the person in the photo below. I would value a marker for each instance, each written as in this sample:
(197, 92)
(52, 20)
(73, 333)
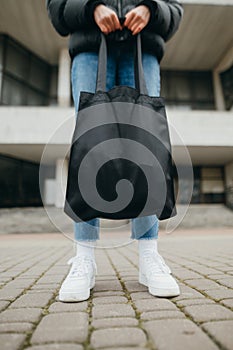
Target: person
(120, 21)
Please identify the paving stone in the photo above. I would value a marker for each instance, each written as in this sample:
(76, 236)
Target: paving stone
(154, 304)
(127, 336)
(21, 327)
(112, 310)
(213, 263)
(3, 304)
(165, 314)
(187, 302)
(107, 286)
(107, 293)
(4, 280)
(126, 348)
(202, 284)
(128, 276)
(10, 274)
(68, 307)
(31, 274)
(178, 334)
(58, 271)
(222, 332)
(65, 327)
(47, 279)
(188, 293)
(24, 283)
(219, 276)
(135, 286)
(43, 287)
(184, 274)
(32, 300)
(10, 293)
(228, 282)
(106, 278)
(32, 279)
(204, 270)
(21, 315)
(204, 313)
(227, 302)
(12, 341)
(225, 268)
(141, 295)
(114, 322)
(220, 293)
(109, 300)
(131, 273)
(56, 347)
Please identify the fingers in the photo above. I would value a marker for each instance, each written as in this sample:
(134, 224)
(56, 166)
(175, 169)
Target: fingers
(134, 23)
(106, 19)
(129, 18)
(116, 22)
(133, 20)
(137, 19)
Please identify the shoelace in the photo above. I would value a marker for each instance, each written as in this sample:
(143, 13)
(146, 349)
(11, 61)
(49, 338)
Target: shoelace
(156, 263)
(81, 265)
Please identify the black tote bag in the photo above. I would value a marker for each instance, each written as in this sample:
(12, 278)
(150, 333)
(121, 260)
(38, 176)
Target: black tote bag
(120, 163)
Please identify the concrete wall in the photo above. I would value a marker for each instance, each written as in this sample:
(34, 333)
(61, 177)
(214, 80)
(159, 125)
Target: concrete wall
(36, 125)
(207, 134)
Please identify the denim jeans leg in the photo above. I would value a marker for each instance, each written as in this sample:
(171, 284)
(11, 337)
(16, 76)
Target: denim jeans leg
(145, 227)
(83, 78)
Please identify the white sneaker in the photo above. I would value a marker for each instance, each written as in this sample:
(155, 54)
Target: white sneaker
(80, 280)
(156, 275)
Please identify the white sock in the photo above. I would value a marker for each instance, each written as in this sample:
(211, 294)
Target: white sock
(146, 245)
(86, 248)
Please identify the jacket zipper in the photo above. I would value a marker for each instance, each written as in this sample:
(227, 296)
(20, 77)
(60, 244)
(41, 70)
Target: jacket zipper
(119, 5)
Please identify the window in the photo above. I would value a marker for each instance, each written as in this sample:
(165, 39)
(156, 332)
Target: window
(25, 79)
(19, 183)
(188, 89)
(212, 185)
(208, 185)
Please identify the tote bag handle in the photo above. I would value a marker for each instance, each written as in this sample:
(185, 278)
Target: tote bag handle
(140, 83)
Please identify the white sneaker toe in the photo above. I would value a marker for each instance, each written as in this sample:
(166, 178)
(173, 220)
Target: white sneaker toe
(80, 280)
(156, 275)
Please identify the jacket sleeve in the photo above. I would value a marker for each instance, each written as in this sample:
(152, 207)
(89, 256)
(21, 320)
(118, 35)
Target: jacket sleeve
(165, 16)
(70, 15)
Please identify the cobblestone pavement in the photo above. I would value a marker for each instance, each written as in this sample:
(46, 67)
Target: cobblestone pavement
(120, 313)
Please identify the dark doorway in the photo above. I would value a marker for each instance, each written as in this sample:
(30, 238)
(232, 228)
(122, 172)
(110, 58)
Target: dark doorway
(19, 183)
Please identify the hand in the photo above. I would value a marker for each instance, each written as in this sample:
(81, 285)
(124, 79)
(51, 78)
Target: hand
(137, 19)
(106, 19)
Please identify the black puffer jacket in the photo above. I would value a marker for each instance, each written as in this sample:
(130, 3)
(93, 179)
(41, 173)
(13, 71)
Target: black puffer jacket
(75, 17)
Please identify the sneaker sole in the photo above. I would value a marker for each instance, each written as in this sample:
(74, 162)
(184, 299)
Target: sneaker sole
(76, 296)
(160, 292)
(73, 297)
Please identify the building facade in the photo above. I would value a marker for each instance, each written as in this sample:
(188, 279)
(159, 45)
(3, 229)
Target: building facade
(35, 98)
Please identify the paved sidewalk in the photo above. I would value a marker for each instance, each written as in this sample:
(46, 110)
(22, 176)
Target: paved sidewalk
(120, 313)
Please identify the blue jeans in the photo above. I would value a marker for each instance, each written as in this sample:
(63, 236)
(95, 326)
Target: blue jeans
(120, 71)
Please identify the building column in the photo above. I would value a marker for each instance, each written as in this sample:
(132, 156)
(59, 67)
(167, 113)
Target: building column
(61, 181)
(63, 89)
(223, 65)
(218, 92)
(229, 185)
